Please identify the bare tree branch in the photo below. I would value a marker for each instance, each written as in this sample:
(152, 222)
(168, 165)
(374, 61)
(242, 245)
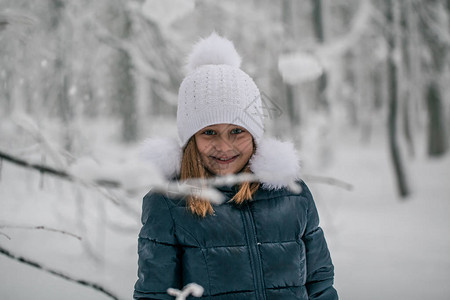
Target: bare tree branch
(38, 167)
(331, 181)
(39, 266)
(42, 228)
(5, 235)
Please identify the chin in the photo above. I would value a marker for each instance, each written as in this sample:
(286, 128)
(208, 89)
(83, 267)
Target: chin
(224, 172)
(221, 173)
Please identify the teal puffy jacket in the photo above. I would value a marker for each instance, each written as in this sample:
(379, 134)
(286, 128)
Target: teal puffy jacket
(269, 248)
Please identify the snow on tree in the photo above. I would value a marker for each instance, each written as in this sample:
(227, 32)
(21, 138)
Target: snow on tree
(299, 67)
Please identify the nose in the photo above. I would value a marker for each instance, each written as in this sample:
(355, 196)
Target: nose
(223, 144)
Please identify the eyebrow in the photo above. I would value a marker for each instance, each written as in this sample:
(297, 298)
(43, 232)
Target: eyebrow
(231, 127)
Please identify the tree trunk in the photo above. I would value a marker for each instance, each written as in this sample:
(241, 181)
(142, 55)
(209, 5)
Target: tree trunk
(7, 86)
(292, 109)
(437, 140)
(405, 41)
(65, 109)
(322, 82)
(124, 93)
(402, 185)
(392, 129)
(437, 131)
(288, 89)
(126, 97)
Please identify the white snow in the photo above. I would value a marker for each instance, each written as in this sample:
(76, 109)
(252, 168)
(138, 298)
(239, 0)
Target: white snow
(190, 289)
(299, 67)
(384, 247)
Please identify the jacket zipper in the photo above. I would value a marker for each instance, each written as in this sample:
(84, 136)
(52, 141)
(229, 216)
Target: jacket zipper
(255, 259)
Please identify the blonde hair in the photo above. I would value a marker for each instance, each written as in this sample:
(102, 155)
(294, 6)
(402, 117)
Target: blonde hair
(192, 167)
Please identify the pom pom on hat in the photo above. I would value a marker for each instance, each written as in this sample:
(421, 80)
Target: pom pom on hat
(213, 50)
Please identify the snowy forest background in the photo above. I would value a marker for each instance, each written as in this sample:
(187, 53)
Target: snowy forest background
(361, 87)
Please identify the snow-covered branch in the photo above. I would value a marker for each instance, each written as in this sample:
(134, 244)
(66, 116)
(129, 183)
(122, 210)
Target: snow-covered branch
(35, 166)
(308, 64)
(359, 25)
(432, 17)
(150, 178)
(329, 180)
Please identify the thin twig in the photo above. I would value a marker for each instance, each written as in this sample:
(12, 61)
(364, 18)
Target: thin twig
(329, 180)
(4, 234)
(42, 228)
(38, 167)
(39, 266)
(26, 123)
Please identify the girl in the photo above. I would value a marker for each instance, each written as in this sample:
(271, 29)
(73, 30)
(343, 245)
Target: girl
(264, 242)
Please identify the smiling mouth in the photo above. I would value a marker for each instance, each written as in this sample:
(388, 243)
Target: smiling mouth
(224, 160)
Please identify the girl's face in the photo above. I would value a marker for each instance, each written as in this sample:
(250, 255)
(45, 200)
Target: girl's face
(224, 148)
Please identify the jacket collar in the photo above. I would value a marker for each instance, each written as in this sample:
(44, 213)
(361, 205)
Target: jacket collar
(275, 162)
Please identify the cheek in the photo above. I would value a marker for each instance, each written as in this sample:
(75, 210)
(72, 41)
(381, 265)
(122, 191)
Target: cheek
(245, 145)
(203, 146)
(248, 153)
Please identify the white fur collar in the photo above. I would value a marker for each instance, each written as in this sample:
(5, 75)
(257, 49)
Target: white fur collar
(275, 162)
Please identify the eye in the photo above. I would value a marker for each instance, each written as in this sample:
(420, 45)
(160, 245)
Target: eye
(237, 131)
(209, 132)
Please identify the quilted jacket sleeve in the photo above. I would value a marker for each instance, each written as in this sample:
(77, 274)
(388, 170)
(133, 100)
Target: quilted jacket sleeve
(159, 255)
(320, 269)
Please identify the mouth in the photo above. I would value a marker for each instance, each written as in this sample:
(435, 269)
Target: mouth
(224, 160)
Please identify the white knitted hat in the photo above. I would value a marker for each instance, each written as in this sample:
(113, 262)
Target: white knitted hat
(217, 91)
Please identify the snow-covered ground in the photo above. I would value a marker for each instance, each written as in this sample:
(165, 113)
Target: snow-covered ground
(382, 247)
